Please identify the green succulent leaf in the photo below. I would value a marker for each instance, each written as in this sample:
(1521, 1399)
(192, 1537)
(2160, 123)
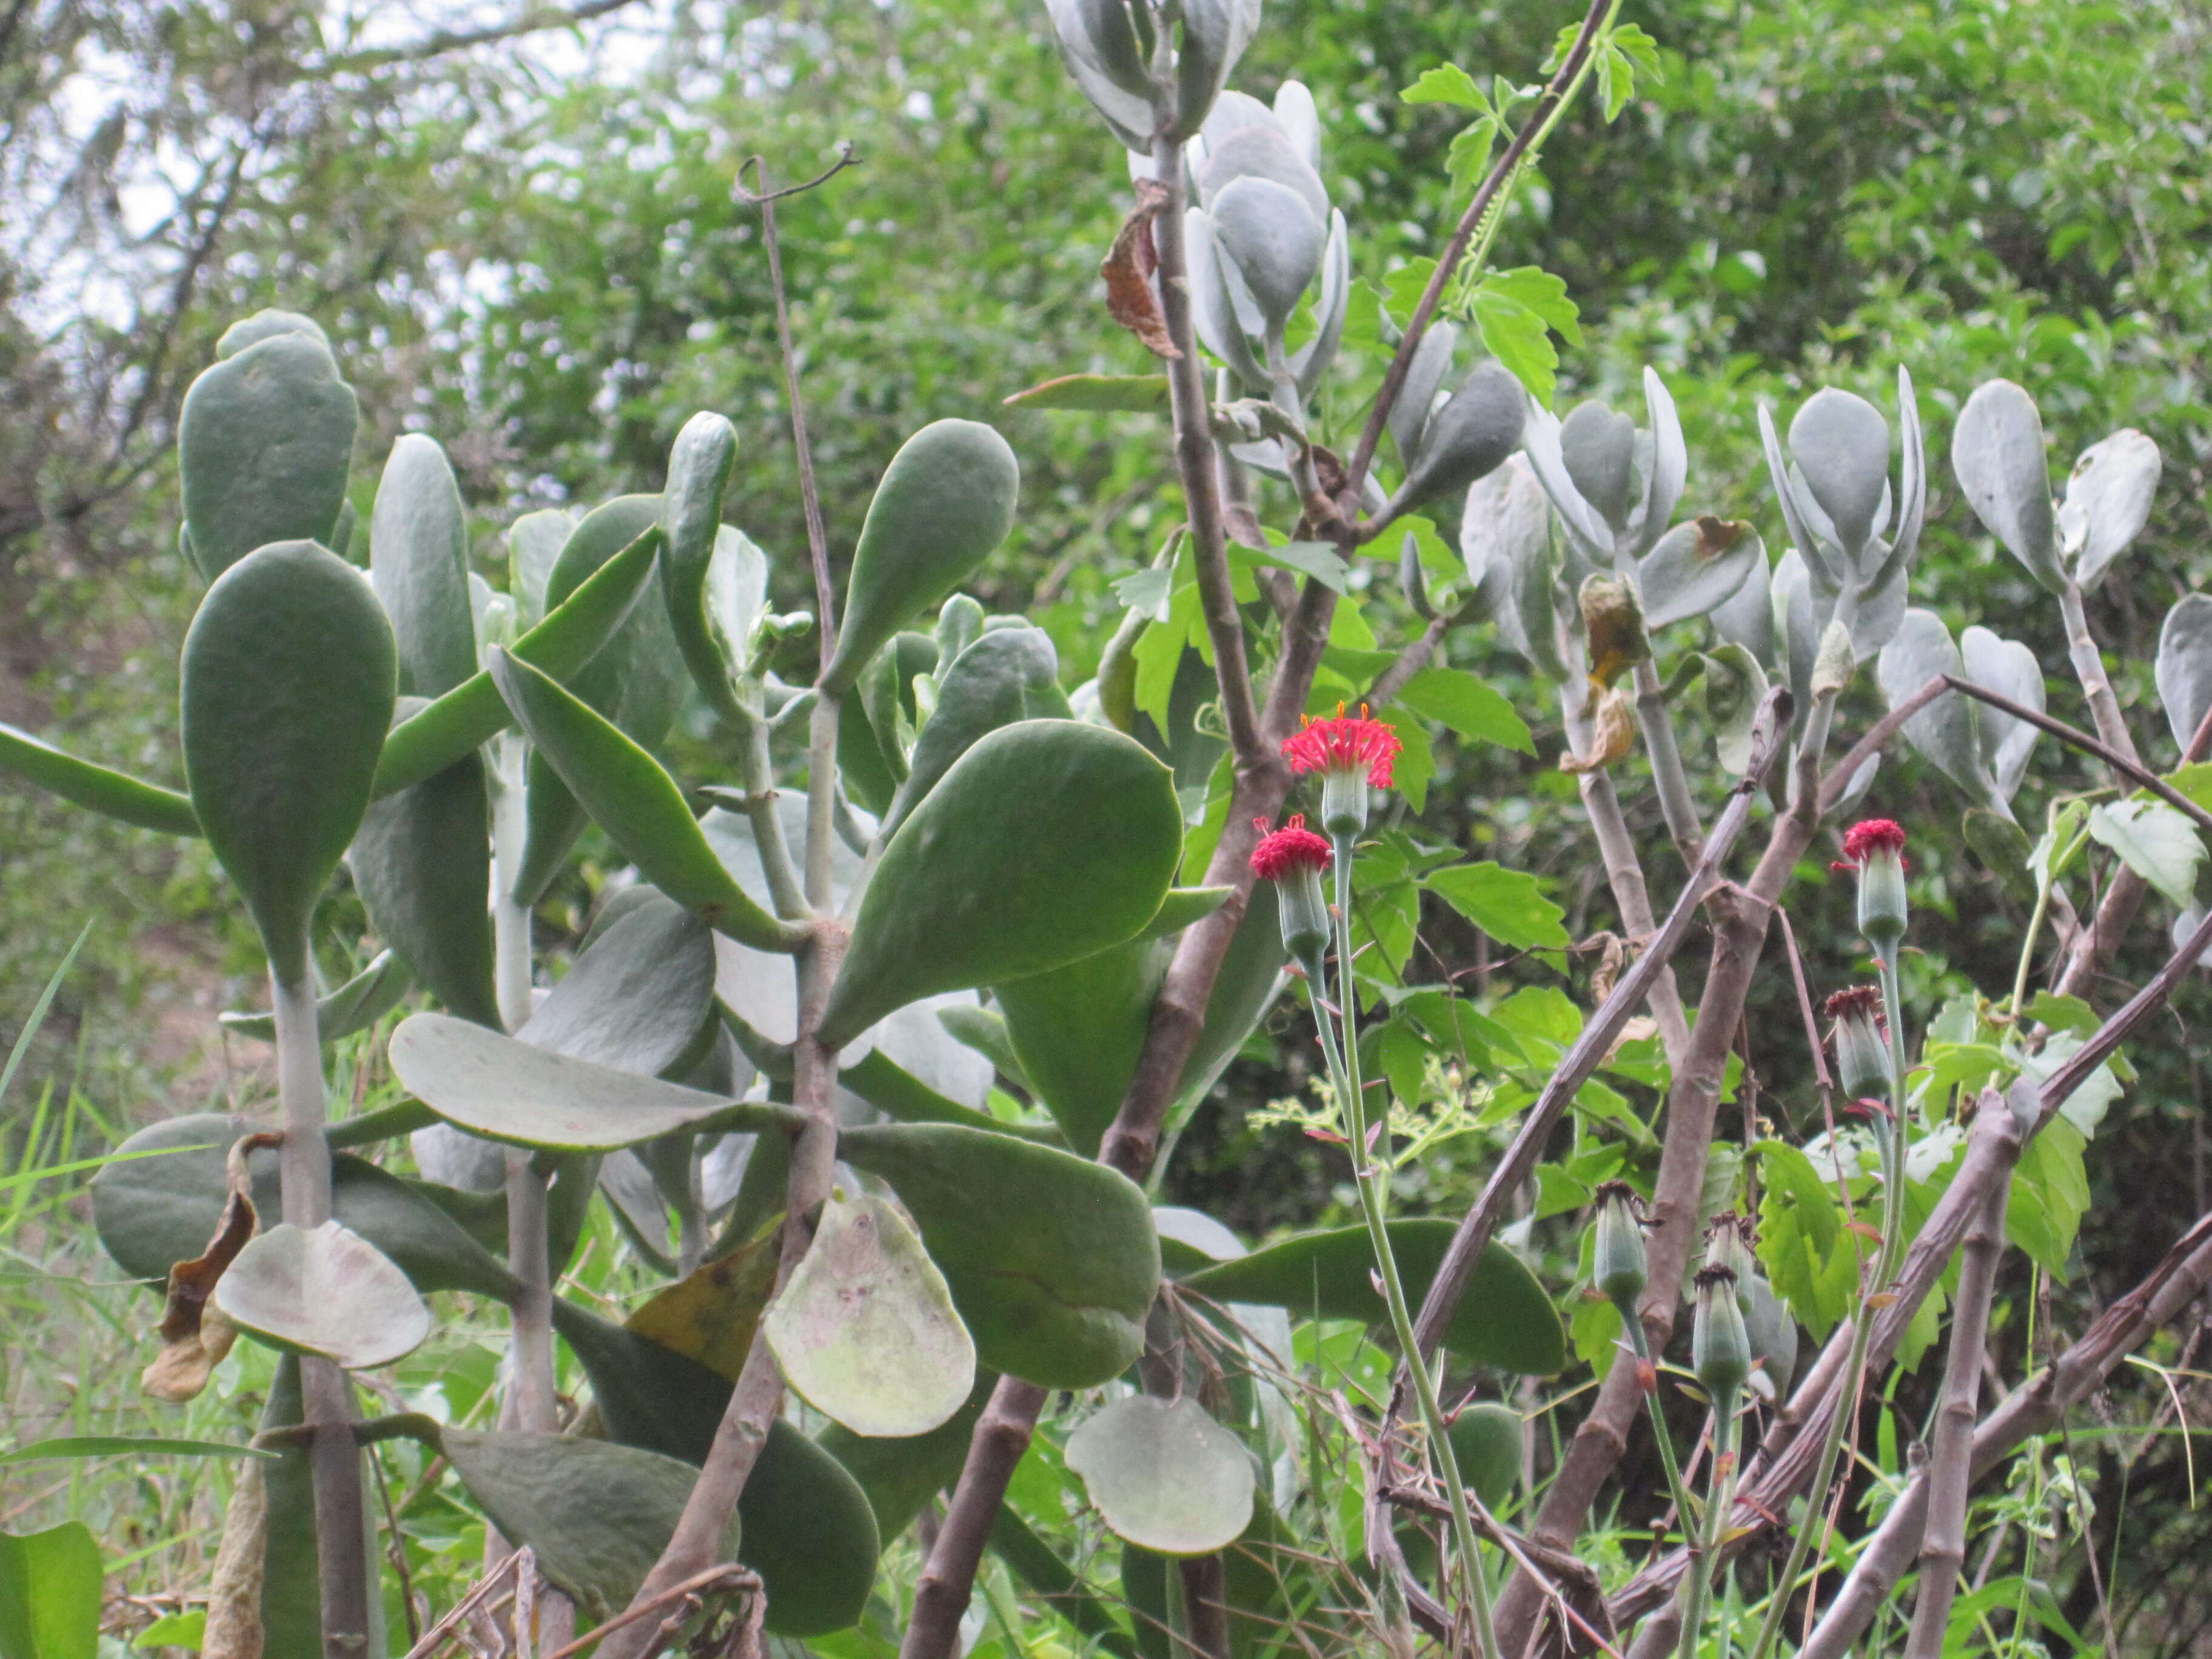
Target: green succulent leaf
(1078, 1032)
(630, 795)
(264, 441)
(865, 1330)
(899, 1475)
(1140, 394)
(503, 1089)
(101, 789)
(160, 1202)
(691, 512)
(324, 1290)
(1164, 1475)
(1046, 842)
(418, 561)
(596, 1515)
(472, 714)
(946, 501)
(641, 997)
(288, 678)
(986, 688)
(1053, 1276)
(356, 1006)
(808, 1529)
(1503, 1319)
(422, 864)
(1487, 1439)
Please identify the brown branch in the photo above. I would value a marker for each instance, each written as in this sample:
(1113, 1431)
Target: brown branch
(2035, 1407)
(1588, 1050)
(1424, 311)
(1949, 1473)
(729, 1578)
(531, 22)
(1196, 460)
(941, 1594)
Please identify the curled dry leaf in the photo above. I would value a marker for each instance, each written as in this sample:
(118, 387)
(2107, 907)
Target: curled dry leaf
(1129, 268)
(1614, 622)
(234, 1630)
(1612, 736)
(194, 1335)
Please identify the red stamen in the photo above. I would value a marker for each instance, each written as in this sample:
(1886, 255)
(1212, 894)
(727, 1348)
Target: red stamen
(1343, 743)
(1292, 849)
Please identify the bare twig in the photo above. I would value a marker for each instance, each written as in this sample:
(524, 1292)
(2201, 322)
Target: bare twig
(2035, 1407)
(1501, 172)
(437, 1636)
(1950, 1474)
(530, 20)
(686, 1596)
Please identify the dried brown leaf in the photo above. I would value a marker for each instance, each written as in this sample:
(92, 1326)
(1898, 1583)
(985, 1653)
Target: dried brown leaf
(1128, 268)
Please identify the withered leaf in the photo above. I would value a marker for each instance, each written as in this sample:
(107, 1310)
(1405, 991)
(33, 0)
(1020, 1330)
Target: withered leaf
(194, 1336)
(1129, 268)
(1614, 622)
(1613, 737)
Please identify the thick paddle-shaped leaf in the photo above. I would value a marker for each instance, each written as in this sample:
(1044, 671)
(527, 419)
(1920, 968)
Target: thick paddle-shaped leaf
(1078, 1030)
(472, 713)
(1046, 842)
(263, 443)
(1504, 1318)
(289, 678)
(946, 499)
(863, 1330)
(1164, 1475)
(630, 795)
(104, 790)
(698, 468)
(636, 680)
(2184, 665)
(503, 1089)
(1054, 1275)
(1996, 451)
(50, 1593)
(152, 1211)
(987, 687)
(900, 1476)
(421, 863)
(596, 1514)
(1948, 731)
(356, 1006)
(324, 1290)
(418, 560)
(808, 1529)
(640, 996)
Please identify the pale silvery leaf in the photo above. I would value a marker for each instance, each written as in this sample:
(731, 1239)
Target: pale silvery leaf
(1946, 730)
(1114, 46)
(324, 1290)
(1996, 451)
(2107, 503)
(1795, 632)
(736, 591)
(452, 1158)
(1669, 467)
(2085, 1107)
(1425, 380)
(1311, 360)
(1599, 450)
(1746, 617)
(1695, 567)
(1880, 611)
(1273, 239)
(1261, 150)
(1164, 1476)
(1214, 35)
(1128, 113)
(1505, 521)
(2155, 841)
(534, 542)
(1734, 685)
(1841, 446)
(1230, 111)
(2185, 924)
(1213, 308)
(1586, 534)
(1802, 540)
(1470, 435)
(1912, 475)
(1300, 121)
(2011, 669)
(2184, 665)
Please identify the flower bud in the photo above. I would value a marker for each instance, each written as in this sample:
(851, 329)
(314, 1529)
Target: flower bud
(1875, 848)
(1293, 858)
(1861, 1041)
(1618, 1267)
(1720, 1347)
(1730, 1239)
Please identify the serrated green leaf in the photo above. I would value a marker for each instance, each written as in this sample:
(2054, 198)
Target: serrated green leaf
(1508, 905)
(1459, 700)
(1446, 84)
(2155, 841)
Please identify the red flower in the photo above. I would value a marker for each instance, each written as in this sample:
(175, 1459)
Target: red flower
(1343, 743)
(1868, 836)
(1288, 850)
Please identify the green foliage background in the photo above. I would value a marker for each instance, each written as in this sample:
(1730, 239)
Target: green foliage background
(528, 247)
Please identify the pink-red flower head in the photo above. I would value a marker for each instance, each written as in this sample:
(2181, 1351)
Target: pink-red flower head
(1345, 742)
(1290, 850)
(1868, 836)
